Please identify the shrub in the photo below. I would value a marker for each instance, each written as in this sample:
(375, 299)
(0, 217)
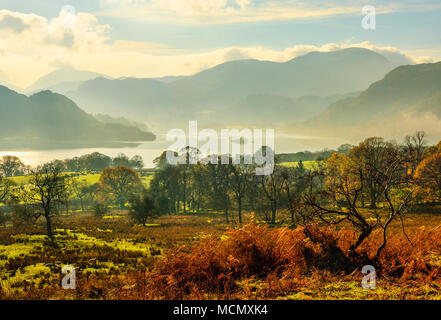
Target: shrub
(3, 218)
(99, 209)
(23, 216)
(143, 208)
(283, 260)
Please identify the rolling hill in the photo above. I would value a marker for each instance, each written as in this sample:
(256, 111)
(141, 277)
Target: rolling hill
(53, 117)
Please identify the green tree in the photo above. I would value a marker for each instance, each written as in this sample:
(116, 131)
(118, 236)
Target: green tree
(143, 208)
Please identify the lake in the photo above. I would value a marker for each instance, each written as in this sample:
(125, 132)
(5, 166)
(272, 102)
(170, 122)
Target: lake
(285, 143)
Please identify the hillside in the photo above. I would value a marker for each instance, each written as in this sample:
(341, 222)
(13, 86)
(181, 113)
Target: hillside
(51, 116)
(408, 93)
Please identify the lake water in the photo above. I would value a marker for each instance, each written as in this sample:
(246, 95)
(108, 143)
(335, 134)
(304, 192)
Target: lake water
(149, 151)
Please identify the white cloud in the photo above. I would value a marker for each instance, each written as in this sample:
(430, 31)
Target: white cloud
(33, 41)
(33, 32)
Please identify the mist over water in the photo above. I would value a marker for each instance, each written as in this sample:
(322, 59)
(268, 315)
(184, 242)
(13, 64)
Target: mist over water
(284, 143)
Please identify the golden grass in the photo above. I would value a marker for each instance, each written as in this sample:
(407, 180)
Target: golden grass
(199, 257)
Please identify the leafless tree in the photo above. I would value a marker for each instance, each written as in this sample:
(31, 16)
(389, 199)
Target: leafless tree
(47, 191)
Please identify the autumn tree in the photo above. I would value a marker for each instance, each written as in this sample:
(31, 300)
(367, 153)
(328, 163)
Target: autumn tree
(346, 178)
(339, 199)
(428, 176)
(369, 154)
(118, 184)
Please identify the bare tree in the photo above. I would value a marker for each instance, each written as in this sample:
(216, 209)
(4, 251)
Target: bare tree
(346, 178)
(272, 186)
(390, 177)
(345, 187)
(239, 184)
(220, 186)
(414, 147)
(47, 191)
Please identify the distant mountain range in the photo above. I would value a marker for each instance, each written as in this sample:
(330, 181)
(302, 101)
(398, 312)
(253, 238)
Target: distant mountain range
(406, 99)
(48, 116)
(237, 85)
(62, 80)
(347, 93)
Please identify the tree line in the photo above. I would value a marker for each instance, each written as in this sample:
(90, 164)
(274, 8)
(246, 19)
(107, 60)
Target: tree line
(11, 166)
(369, 186)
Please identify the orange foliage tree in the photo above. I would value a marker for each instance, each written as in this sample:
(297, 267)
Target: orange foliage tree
(119, 184)
(428, 177)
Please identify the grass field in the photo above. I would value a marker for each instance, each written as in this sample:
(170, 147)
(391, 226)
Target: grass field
(306, 164)
(90, 178)
(116, 260)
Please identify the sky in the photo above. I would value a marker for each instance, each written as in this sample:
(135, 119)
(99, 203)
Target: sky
(154, 38)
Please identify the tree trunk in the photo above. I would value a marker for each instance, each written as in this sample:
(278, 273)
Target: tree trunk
(383, 244)
(226, 215)
(291, 211)
(49, 226)
(273, 212)
(373, 200)
(239, 204)
(363, 235)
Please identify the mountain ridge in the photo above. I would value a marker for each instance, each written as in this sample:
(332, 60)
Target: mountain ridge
(225, 85)
(52, 116)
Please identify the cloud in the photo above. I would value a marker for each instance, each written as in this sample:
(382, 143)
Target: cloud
(33, 31)
(228, 11)
(11, 23)
(38, 45)
(32, 41)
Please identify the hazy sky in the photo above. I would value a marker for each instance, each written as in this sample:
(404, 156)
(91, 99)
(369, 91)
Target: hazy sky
(151, 38)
